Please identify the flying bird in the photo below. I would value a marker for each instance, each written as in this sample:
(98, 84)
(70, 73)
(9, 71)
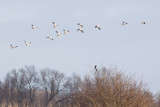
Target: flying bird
(80, 29)
(66, 31)
(50, 37)
(34, 27)
(95, 67)
(27, 43)
(97, 26)
(58, 34)
(143, 22)
(124, 23)
(80, 24)
(55, 25)
(13, 46)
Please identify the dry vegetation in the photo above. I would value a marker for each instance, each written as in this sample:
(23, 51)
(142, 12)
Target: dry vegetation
(28, 87)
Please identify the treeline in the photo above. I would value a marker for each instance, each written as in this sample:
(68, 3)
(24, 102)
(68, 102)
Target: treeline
(106, 87)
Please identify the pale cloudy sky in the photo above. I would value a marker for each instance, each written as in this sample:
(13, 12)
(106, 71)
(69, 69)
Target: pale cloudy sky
(134, 47)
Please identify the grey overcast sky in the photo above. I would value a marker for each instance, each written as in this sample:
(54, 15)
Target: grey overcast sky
(134, 47)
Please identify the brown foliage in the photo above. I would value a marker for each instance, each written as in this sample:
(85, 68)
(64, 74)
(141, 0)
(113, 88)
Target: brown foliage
(111, 88)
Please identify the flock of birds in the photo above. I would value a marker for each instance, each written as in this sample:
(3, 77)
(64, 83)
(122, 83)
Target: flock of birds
(65, 32)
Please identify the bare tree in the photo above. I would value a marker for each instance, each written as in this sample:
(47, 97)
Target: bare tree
(53, 83)
(7, 91)
(32, 82)
(1, 93)
(18, 83)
